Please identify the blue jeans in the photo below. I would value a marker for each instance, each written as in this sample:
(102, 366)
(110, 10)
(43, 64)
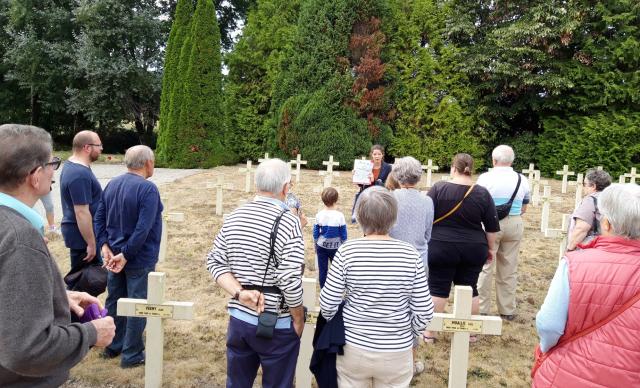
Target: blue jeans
(325, 257)
(129, 283)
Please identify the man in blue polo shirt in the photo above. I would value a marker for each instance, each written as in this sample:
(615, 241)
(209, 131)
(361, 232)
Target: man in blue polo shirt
(128, 229)
(80, 193)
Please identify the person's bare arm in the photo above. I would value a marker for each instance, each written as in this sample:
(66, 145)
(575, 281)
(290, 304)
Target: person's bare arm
(491, 241)
(85, 225)
(524, 209)
(297, 314)
(580, 231)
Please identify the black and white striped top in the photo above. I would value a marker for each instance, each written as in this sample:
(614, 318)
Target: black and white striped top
(242, 248)
(386, 292)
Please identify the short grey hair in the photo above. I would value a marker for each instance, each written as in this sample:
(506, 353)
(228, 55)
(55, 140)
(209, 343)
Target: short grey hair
(601, 179)
(22, 148)
(272, 175)
(407, 171)
(620, 204)
(137, 156)
(503, 154)
(377, 210)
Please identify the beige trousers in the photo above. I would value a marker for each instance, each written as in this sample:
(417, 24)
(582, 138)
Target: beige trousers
(505, 266)
(363, 368)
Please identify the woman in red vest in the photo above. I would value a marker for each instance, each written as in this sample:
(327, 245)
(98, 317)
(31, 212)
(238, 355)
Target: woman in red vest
(589, 323)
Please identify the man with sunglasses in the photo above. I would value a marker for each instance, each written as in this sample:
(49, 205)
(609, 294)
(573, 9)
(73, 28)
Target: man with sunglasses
(80, 193)
(38, 342)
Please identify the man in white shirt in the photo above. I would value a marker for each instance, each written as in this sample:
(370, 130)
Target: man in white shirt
(501, 183)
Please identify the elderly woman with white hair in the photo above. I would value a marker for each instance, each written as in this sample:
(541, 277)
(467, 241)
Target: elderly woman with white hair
(387, 302)
(590, 320)
(415, 217)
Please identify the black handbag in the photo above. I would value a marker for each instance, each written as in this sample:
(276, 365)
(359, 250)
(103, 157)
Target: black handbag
(504, 209)
(90, 278)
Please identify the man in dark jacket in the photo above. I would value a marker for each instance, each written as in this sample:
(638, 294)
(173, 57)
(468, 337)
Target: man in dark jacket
(38, 342)
(128, 227)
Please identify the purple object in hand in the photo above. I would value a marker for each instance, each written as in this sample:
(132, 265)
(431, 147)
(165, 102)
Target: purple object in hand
(93, 312)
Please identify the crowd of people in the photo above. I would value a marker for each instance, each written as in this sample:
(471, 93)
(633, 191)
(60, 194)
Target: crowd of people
(378, 292)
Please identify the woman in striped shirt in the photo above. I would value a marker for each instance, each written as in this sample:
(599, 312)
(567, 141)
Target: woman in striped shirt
(387, 300)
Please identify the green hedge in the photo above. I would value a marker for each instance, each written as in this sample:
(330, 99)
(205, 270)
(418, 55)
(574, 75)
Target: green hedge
(610, 139)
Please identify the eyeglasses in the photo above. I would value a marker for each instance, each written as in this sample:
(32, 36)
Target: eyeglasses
(95, 145)
(55, 163)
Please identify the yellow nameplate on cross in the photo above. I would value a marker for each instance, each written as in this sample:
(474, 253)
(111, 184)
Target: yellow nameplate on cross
(462, 325)
(154, 310)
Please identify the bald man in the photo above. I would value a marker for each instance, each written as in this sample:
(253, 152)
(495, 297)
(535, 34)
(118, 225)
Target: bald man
(128, 227)
(80, 194)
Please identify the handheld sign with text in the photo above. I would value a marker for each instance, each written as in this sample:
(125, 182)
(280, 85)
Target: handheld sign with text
(362, 169)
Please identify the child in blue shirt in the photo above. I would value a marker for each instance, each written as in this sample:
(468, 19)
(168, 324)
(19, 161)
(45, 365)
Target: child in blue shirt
(329, 232)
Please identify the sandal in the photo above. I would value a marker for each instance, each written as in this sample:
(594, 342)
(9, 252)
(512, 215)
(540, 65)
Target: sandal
(429, 339)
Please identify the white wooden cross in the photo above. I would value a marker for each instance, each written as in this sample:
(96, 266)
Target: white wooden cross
(578, 184)
(565, 173)
(298, 161)
(266, 157)
(530, 172)
(631, 175)
(562, 232)
(247, 180)
(622, 179)
(599, 168)
(445, 178)
(535, 196)
(164, 237)
(309, 300)
(219, 186)
(429, 167)
(461, 323)
(546, 207)
(329, 174)
(156, 310)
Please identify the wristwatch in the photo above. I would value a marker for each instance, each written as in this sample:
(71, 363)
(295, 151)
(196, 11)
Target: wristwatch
(236, 296)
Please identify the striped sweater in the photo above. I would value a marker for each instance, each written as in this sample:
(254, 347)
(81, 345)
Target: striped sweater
(386, 292)
(242, 248)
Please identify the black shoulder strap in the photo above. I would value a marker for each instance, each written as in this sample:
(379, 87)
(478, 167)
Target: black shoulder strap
(516, 190)
(272, 243)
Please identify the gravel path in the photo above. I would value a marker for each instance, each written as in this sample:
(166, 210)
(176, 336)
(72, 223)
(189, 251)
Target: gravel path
(104, 173)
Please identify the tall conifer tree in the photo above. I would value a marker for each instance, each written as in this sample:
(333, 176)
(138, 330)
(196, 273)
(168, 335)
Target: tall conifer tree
(179, 31)
(253, 68)
(200, 124)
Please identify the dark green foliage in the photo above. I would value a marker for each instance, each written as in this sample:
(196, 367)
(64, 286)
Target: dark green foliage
(597, 121)
(179, 30)
(253, 67)
(118, 61)
(436, 117)
(38, 46)
(608, 139)
(317, 101)
(199, 127)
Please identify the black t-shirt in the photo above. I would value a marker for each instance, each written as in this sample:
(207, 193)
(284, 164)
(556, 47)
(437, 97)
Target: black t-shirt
(465, 224)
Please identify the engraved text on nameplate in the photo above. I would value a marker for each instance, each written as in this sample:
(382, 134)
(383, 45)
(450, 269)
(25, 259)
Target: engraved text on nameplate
(154, 310)
(462, 325)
